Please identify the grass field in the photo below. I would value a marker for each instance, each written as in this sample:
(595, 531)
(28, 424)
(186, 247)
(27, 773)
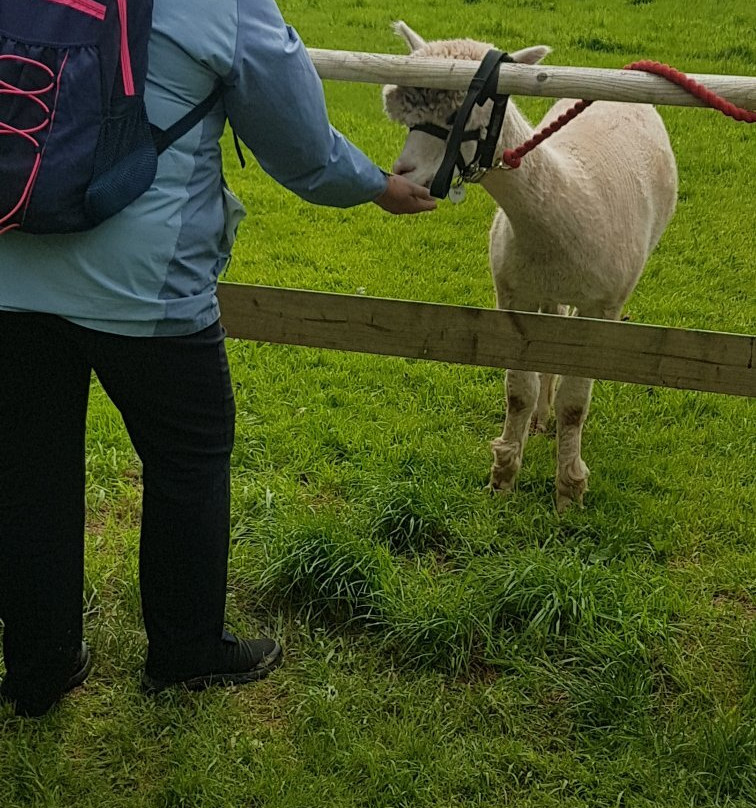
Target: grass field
(446, 648)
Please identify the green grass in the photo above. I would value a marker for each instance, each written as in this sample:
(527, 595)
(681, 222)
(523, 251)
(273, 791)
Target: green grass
(445, 648)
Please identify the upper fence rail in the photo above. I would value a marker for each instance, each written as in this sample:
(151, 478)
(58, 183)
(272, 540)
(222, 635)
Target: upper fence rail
(592, 84)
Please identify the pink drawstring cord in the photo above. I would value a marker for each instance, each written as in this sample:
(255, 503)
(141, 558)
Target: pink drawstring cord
(7, 130)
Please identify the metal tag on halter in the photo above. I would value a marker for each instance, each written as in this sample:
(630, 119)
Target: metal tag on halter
(457, 193)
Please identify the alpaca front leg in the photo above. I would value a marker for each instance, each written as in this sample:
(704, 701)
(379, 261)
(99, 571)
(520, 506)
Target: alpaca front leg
(572, 402)
(522, 394)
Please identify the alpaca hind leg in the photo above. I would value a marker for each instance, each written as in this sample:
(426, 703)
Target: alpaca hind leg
(522, 394)
(546, 393)
(572, 402)
(545, 405)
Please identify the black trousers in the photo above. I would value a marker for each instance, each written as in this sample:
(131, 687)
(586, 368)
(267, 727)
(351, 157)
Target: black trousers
(176, 399)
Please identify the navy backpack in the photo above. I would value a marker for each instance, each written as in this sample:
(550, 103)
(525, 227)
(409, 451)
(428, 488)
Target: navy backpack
(75, 143)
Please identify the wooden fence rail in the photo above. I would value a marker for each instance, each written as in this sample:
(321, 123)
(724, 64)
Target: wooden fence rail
(540, 80)
(599, 349)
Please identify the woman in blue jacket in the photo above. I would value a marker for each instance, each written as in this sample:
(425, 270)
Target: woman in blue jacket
(134, 301)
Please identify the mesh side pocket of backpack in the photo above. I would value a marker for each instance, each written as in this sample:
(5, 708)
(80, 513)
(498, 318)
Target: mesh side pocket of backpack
(125, 160)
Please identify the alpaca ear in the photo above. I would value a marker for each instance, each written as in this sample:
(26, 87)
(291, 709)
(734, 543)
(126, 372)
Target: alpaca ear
(531, 56)
(413, 40)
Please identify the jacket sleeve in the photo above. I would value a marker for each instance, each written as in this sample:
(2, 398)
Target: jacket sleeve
(275, 103)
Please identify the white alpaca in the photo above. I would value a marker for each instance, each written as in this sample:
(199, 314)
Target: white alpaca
(575, 226)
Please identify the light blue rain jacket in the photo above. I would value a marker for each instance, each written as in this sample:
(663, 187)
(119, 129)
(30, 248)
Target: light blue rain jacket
(152, 269)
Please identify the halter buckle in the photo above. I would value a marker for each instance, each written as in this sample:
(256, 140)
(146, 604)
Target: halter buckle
(474, 173)
(500, 165)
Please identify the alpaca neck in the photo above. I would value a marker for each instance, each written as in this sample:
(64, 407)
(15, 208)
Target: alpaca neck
(532, 195)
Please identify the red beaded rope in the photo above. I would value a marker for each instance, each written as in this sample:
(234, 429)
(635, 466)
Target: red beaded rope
(513, 157)
(710, 98)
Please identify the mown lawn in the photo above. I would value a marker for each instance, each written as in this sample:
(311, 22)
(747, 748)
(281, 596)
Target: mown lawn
(446, 648)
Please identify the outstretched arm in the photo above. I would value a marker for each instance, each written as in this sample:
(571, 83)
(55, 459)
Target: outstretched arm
(274, 101)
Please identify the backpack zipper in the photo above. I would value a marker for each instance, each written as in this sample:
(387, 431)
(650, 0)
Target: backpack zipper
(126, 74)
(91, 7)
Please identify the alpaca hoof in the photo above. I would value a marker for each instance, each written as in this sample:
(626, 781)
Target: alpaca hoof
(563, 502)
(506, 465)
(498, 486)
(539, 426)
(570, 491)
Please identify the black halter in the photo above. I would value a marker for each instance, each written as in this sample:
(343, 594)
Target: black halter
(482, 88)
(442, 133)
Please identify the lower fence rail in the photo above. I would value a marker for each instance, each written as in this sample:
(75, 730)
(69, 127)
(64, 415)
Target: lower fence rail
(575, 346)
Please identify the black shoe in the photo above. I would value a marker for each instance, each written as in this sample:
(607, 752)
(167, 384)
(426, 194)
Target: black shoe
(33, 705)
(237, 662)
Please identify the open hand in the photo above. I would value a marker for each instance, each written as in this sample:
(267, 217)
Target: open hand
(404, 196)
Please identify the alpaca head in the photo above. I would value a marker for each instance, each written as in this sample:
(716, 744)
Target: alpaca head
(422, 153)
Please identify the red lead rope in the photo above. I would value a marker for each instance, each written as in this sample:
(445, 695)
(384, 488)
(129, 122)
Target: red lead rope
(513, 157)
